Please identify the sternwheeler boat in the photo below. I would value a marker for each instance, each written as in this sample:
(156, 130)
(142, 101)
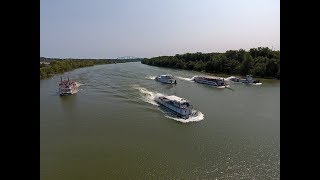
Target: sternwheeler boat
(67, 87)
(211, 81)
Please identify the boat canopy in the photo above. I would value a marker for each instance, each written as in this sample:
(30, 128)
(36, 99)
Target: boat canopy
(166, 76)
(176, 98)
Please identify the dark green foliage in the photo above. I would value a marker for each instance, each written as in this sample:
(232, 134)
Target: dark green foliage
(271, 68)
(57, 66)
(199, 66)
(246, 64)
(258, 67)
(261, 61)
(60, 66)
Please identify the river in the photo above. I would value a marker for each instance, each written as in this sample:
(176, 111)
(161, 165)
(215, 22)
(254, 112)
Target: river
(112, 129)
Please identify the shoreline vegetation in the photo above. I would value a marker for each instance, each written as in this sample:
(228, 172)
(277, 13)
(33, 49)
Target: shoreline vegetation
(259, 62)
(53, 66)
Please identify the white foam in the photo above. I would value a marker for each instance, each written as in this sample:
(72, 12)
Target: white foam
(229, 78)
(150, 77)
(192, 118)
(147, 96)
(256, 84)
(79, 84)
(185, 79)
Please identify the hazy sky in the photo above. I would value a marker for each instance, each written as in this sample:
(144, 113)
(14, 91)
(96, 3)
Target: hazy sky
(147, 28)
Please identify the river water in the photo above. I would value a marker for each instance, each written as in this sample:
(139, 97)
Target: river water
(112, 128)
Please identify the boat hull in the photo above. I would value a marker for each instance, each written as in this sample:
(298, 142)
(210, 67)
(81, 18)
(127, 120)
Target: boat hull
(244, 81)
(68, 92)
(166, 81)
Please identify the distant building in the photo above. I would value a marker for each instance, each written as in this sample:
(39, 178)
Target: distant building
(45, 63)
(127, 57)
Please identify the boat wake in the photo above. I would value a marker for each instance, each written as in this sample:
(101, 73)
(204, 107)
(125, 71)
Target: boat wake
(149, 97)
(229, 78)
(150, 77)
(256, 84)
(185, 79)
(79, 84)
(197, 116)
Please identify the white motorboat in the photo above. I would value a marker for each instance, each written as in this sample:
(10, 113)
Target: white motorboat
(180, 106)
(167, 79)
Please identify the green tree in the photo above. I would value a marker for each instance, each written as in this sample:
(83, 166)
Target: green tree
(260, 61)
(246, 64)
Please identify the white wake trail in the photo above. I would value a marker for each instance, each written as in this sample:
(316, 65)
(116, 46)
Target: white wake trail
(192, 118)
(147, 96)
(150, 77)
(185, 79)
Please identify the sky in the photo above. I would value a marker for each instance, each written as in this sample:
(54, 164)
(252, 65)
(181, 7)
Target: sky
(149, 28)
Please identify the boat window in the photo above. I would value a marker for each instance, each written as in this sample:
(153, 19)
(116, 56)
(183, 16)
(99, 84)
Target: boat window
(185, 104)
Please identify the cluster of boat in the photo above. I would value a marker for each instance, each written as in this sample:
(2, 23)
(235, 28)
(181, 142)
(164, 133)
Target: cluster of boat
(182, 107)
(211, 81)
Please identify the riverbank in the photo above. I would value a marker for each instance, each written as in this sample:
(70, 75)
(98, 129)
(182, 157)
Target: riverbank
(50, 67)
(260, 62)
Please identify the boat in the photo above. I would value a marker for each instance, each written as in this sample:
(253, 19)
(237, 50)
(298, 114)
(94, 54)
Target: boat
(247, 80)
(167, 79)
(67, 87)
(211, 81)
(180, 106)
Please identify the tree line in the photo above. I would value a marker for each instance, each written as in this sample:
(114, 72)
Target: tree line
(57, 66)
(259, 62)
(45, 59)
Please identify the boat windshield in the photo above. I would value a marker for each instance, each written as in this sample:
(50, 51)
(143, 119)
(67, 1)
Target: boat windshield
(185, 104)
